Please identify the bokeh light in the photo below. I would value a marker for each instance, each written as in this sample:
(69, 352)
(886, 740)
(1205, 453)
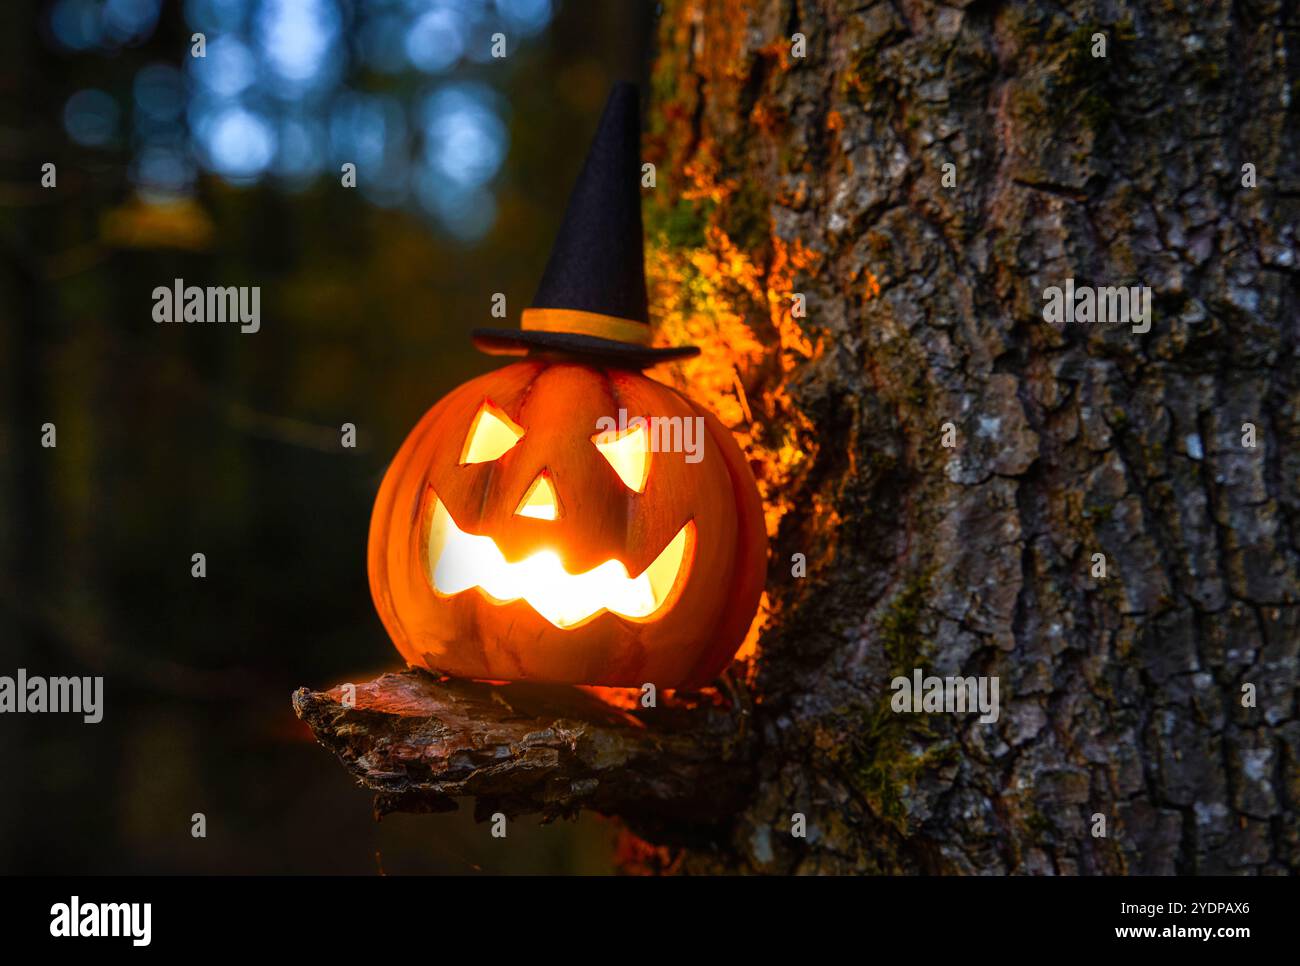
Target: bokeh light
(128, 21)
(76, 24)
(464, 137)
(91, 118)
(277, 95)
(436, 40)
(237, 143)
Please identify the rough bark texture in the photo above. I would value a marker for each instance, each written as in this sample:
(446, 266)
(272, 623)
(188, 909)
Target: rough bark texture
(1121, 697)
(676, 773)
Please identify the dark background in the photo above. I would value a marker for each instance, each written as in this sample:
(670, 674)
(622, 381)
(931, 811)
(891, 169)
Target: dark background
(175, 439)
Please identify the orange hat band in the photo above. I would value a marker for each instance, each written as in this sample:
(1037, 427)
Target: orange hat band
(578, 322)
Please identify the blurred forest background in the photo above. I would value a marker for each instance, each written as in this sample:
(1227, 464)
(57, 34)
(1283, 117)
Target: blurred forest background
(176, 439)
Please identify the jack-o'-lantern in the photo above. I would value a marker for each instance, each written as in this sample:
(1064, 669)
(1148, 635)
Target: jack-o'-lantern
(566, 518)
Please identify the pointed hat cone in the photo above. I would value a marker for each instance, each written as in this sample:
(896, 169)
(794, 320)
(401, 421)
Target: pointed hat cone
(598, 262)
(592, 298)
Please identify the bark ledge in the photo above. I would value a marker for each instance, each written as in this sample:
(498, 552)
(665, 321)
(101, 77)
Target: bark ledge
(675, 772)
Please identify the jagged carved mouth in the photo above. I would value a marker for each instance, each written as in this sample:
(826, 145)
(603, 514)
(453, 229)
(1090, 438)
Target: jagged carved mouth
(460, 561)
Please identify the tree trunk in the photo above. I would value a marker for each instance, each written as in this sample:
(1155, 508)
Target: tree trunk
(1127, 739)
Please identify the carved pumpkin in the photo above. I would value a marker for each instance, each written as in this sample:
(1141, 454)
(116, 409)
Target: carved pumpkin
(512, 539)
(518, 536)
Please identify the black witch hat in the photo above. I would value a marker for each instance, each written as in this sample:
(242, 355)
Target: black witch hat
(592, 300)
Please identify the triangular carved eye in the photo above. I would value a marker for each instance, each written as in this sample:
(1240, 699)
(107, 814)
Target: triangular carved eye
(628, 452)
(491, 436)
(540, 502)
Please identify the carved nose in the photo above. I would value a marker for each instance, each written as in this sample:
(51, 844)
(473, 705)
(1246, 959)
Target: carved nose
(540, 502)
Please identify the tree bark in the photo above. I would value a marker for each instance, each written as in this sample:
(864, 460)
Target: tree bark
(1122, 698)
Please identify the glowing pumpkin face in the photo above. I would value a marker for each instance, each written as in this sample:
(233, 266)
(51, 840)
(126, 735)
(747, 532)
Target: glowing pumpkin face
(518, 536)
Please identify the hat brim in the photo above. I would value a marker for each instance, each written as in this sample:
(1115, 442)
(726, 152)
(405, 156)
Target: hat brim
(518, 342)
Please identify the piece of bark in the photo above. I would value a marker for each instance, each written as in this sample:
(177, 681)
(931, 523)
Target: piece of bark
(676, 772)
